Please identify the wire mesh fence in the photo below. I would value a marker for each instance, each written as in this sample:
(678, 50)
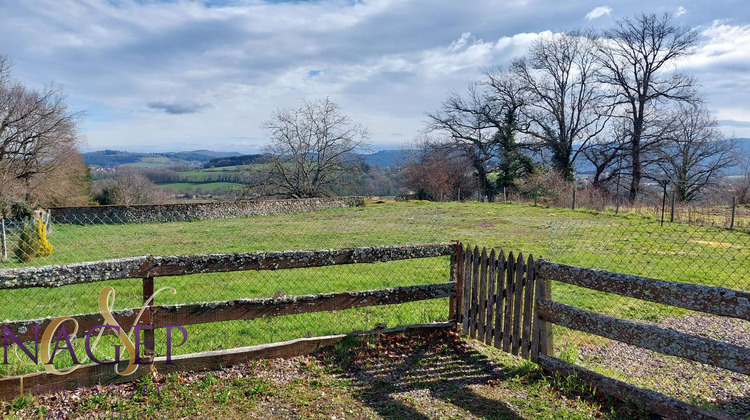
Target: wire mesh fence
(86, 238)
(633, 244)
(628, 243)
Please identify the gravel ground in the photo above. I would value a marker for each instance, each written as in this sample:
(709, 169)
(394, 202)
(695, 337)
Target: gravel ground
(689, 381)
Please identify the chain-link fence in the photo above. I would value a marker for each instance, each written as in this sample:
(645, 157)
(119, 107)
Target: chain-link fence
(86, 238)
(626, 243)
(633, 244)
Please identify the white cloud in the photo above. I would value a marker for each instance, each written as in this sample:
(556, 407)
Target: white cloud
(722, 66)
(680, 11)
(164, 74)
(598, 12)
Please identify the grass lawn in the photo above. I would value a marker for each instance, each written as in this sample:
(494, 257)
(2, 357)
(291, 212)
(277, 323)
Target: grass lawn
(625, 243)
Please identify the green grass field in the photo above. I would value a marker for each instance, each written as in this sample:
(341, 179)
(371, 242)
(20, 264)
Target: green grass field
(211, 186)
(626, 243)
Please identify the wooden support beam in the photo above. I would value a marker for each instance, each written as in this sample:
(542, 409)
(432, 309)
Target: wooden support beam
(665, 341)
(24, 330)
(712, 300)
(542, 340)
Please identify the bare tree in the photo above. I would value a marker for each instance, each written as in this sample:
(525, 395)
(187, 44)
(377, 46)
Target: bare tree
(465, 121)
(436, 172)
(313, 147)
(506, 96)
(694, 152)
(740, 186)
(634, 57)
(567, 108)
(37, 132)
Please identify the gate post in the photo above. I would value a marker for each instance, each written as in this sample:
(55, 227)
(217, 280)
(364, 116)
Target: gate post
(542, 340)
(454, 304)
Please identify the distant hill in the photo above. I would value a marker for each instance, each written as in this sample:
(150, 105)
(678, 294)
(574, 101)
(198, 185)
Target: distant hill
(114, 158)
(235, 160)
(202, 155)
(385, 158)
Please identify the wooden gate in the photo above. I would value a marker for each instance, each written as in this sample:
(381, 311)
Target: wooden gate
(507, 302)
(496, 301)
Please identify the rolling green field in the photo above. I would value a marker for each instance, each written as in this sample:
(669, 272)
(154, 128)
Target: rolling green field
(211, 186)
(625, 243)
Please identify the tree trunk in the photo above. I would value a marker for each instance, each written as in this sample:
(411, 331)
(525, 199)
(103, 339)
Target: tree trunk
(635, 154)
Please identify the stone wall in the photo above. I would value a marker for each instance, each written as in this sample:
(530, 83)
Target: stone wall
(153, 213)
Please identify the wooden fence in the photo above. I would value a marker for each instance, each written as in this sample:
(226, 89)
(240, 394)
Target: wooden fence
(502, 300)
(496, 302)
(147, 268)
(507, 302)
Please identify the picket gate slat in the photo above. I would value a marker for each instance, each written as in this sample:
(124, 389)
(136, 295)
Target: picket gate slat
(491, 297)
(482, 327)
(474, 292)
(528, 300)
(466, 262)
(501, 292)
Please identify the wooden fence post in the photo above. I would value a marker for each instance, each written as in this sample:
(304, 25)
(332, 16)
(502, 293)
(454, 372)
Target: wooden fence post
(573, 207)
(671, 212)
(454, 303)
(734, 211)
(148, 335)
(466, 261)
(542, 340)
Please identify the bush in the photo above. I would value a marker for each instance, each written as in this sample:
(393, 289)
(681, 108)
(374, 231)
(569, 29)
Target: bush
(33, 240)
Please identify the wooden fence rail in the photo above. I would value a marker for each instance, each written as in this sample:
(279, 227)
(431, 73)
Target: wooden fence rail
(507, 302)
(157, 316)
(181, 265)
(713, 300)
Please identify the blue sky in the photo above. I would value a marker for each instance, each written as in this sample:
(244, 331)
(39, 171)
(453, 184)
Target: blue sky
(183, 75)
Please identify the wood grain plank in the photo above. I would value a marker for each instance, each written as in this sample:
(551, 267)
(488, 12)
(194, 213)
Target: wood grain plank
(712, 300)
(518, 301)
(483, 268)
(475, 292)
(528, 305)
(491, 297)
(661, 340)
(510, 278)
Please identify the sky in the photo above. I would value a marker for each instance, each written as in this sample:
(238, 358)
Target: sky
(183, 75)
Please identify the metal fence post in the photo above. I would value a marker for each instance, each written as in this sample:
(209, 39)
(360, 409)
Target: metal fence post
(734, 211)
(3, 241)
